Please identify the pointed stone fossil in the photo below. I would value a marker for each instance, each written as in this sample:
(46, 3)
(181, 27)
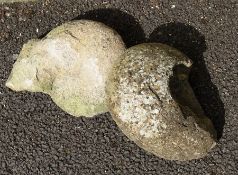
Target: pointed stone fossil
(71, 64)
(152, 102)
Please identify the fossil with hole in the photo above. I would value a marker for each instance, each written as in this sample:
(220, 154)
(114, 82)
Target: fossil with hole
(71, 64)
(150, 99)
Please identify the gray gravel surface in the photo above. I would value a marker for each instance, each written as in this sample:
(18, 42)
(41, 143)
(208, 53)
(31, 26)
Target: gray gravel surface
(36, 137)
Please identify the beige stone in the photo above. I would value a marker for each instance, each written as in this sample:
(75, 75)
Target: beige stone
(152, 102)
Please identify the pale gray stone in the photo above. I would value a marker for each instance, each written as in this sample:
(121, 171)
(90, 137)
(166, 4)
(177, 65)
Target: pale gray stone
(71, 64)
(152, 102)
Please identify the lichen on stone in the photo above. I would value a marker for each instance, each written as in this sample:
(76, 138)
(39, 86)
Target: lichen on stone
(152, 102)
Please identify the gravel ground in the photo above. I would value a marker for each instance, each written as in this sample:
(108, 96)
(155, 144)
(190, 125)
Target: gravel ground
(36, 137)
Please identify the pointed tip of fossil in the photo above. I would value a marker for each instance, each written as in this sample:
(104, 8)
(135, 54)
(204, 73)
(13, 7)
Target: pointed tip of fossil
(9, 84)
(12, 85)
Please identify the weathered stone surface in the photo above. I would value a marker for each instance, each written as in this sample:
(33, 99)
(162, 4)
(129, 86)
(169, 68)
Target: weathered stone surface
(152, 102)
(71, 64)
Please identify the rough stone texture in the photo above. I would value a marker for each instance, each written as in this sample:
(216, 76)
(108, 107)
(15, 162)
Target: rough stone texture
(71, 64)
(36, 137)
(151, 101)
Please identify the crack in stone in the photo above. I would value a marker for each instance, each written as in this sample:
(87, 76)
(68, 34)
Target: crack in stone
(182, 124)
(71, 34)
(37, 78)
(156, 95)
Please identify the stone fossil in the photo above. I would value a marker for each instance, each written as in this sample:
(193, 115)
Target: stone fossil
(152, 102)
(85, 69)
(71, 64)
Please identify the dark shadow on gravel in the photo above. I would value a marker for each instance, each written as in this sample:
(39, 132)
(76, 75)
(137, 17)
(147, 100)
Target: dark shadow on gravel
(188, 40)
(125, 24)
